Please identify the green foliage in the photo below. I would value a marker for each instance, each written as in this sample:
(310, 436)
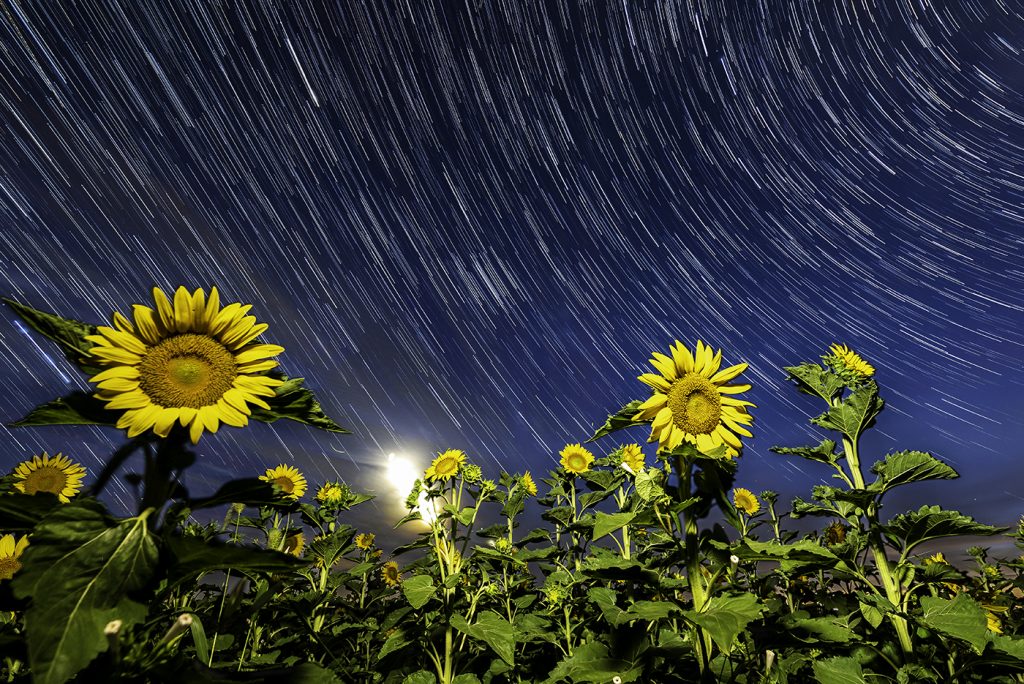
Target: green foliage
(68, 333)
(908, 530)
(77, 408)
(623, 418)
(904, 467)
(855, 413)
(295, 402)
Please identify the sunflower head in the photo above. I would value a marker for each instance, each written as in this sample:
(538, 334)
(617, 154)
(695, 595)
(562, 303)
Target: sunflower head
(835, 533)
(745, 501)
(848, 364)
(288, 479)
(576, 459)
(330, 494)
(294, 543)
(445, 466)
(364, 541)
(633, 457)
(693, 401)
(10, 553)
(188, 361)
(935, 559)
(58, 475)
(527, 483)
(391, 574)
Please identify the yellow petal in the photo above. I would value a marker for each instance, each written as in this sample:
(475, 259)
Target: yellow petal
(212, 308)
(655, 382)
(729, 373)
(182, 310)
(733, 389)
(236, 399)
(683, 358)
(663, 418)
(129, 400)
(143, 420)
(257, 352)
(257, 366)
(119, 385)
(165, 421)
(196, 431)
(664, 365)
(728, 437)
(115, 354)
(146, 322)
(230, 415)
(164, 311)
(123, 372)
(208, 415)
(713, 364)
(122, 323)
(123, 340)
(735, 427)
(237, 331)
(186, 415)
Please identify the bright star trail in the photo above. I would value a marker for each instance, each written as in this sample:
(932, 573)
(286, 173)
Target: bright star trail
(469, 224)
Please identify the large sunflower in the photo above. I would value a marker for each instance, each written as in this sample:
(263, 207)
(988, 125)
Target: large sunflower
(191, 362)
(692, 402)
(56, 474)
(446, 465)
(10, 553)
(576, 459)
(288, 478)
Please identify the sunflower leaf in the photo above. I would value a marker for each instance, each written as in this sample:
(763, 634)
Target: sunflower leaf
(77, 408)
(68, 333)
(855, 414)
(249, 491)
(904, 467)
(839, 671)
(193, 556)
(78, 570)
(932, 522)
(726, 616)
(295, 402)
(814, 380)
(623, 418)
(21, 512)
(823, 453)
(961, 618)
(607, 523)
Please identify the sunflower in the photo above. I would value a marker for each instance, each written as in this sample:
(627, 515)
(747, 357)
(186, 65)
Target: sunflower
(576, 459)
(288, 478)
(364, 541)
(850, 360)
(10, 552)
(330, 494)
(692, 402)
(527, 483)
(746, 501)
(391, 574)
(294, 543)
(446, 465)
(835, 533)
(190, 362)
(58, 475)
(633, 457)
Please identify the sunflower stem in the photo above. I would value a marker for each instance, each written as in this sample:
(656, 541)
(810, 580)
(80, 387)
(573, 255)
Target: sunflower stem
(701, 640)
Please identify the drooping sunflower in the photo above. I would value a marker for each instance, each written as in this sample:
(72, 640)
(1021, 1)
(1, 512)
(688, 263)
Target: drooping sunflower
(446, 465)
(56, 474)
(391, 574)
(364, 541)
(633, 457)
(745, 501)
(10, 552)
(852, 361)
(330, 494)
(527, 483)
(190, 362)
(576, 459)
(692, 401)
(294, 543)
(288, 478)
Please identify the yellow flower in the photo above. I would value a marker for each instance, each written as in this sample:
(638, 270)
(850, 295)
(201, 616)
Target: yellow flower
(692, 402)
(391, 574)
(576, 459)
(330, 494)
(190, 362)
(994, 623)
(935, 559)
(852, 361)
(295, 543)
(633, 456)
(365, 541)
(526, 480)
(746, 501)
(288, 478)
(10, 552)
(446, 465)
(57, 475)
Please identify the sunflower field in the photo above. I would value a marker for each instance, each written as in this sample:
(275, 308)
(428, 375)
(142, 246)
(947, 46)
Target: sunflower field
(653, 567)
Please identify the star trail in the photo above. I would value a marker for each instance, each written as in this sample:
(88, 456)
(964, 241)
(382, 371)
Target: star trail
(469, 223)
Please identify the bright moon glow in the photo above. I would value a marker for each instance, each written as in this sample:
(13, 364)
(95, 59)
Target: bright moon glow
(402, 475)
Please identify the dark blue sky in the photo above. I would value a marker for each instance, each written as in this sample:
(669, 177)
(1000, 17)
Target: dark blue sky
(469, 224)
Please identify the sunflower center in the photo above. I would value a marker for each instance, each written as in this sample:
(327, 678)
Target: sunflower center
(447, 466)
(8, 566)
(285, 484)
(695, 404)
(187, 370)
(576, 462)
(45, 479)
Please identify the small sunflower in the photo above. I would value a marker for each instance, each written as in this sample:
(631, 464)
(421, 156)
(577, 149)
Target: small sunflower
(935, 559)
(446, 465)
(10, 552)
(851, 361)
(746, 501)
(576, 459)
(57, 475)
(330, 494)
(190, 362)
(294, 543)
(633, 456)
(288, 478)
(692, 402)
(364, 541)
(391, 574)
(527, 483)
(835, 533)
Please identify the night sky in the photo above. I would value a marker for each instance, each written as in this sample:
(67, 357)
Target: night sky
(470, 223)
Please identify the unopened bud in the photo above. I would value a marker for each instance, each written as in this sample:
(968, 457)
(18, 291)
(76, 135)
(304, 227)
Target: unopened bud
(734, 559)
(183, 622)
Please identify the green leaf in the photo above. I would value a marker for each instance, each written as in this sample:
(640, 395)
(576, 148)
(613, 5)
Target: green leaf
(421, 677)
(801, 555)
(605, 599)
(800, 508)
(396, 642)
(854, 414)
(418, 590)
(1008, 646)
(872, 615)
(199, 639)
(78, 569)
(493, 630)
(590, 663)
(607, 523)
(650, 610)
(823, 453)
(904, 467)
(650, 484)
(77, 408)
(835, 629)
(295, 402)
(623, 418)
(726, 616)
(839, 671)
(192, 556)
(932, 522)
(250, 491)
(814, 380)
(22, 512)
(68, 333)
(961, 618)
